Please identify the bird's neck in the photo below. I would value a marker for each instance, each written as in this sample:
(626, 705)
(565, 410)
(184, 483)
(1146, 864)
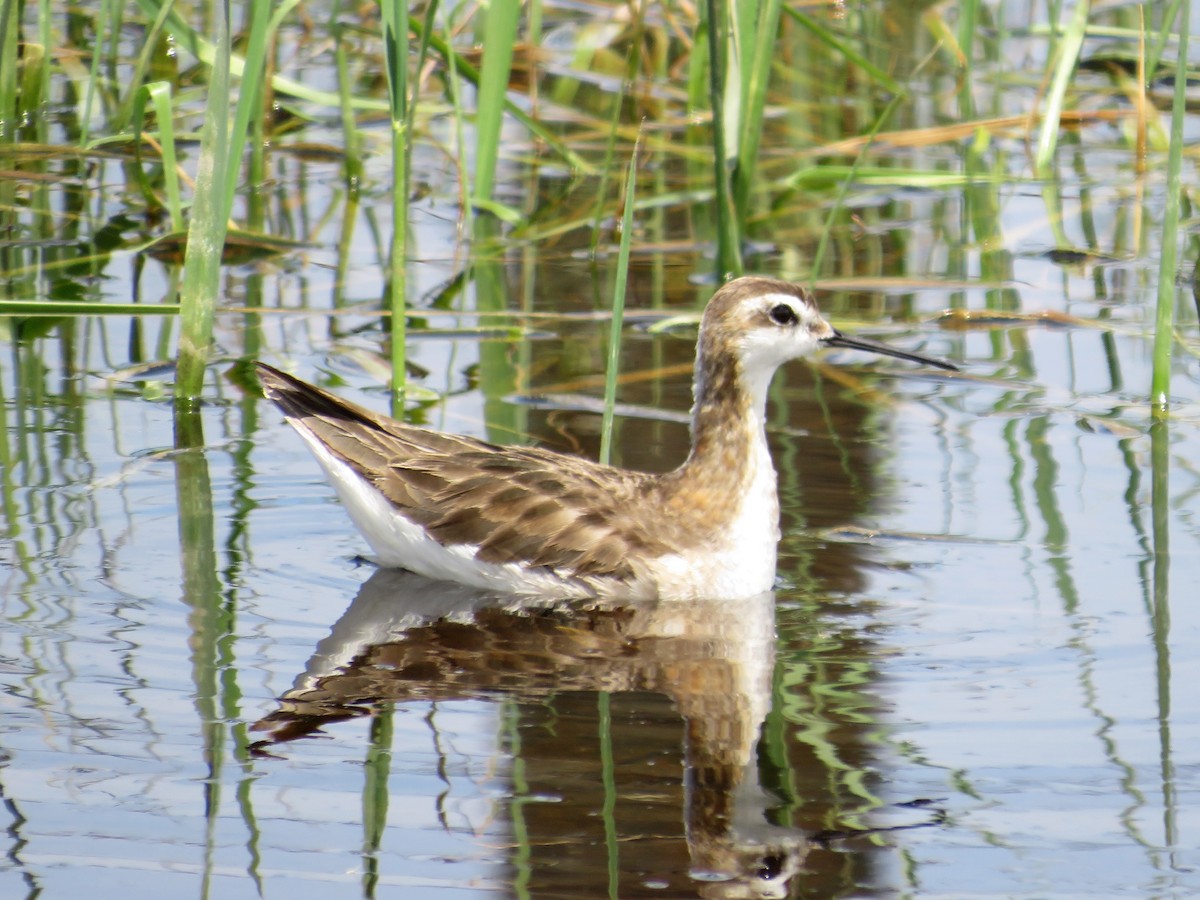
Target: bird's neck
(729, 443)
(726, 489)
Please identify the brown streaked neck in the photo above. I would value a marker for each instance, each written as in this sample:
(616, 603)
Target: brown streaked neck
(727, 414)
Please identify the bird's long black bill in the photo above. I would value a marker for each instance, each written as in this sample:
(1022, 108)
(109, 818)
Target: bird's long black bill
(856, 343)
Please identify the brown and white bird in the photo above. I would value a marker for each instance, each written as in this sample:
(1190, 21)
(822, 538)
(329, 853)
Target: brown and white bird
(528, 521)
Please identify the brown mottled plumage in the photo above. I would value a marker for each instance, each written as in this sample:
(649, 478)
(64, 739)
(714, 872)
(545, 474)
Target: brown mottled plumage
(516, 504)
(536, 521)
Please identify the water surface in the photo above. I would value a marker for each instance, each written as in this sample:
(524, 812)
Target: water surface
(970, 680)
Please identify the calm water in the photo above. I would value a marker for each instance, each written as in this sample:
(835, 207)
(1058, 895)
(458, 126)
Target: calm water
(971, 680)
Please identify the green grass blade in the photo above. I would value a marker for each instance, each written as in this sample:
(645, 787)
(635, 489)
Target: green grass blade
(1160, 41)
(395, 40)
(377, 769)
(46, 38)
(852, 56)
(206, 235)
(612, 370)
(608, 779)
(852, 175)
(205, 50)
(1068, 56)
(159, 94)
(352, 165)
(472, 75)
(1164, 319)
(206, 619)
(632, 59)
(454, 90)
(10, 60)
(499, 37)
(729, 255)
(812, 177)
(261, 34)
(968, 27)
(127, 112)
(756, 75)
(221, 146)
(29, 308)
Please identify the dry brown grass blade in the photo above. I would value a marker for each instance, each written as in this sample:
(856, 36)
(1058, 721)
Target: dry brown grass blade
(965, 319)
(926, 137)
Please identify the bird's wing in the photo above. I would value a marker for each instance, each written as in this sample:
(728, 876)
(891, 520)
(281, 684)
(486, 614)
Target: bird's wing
(519, 505)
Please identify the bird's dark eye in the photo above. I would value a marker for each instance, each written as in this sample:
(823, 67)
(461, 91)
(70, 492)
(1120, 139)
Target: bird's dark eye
(782, 314)
(770, 868)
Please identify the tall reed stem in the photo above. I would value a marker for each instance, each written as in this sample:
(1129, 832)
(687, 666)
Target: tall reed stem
(206, 237)
(729, 251)
(1164, 319)
(612, 370)
(395, 39)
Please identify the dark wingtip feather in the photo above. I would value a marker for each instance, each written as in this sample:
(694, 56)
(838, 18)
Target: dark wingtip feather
(274, 382)
(299, 399)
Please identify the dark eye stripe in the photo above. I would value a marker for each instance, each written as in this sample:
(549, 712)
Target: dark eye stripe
(782, 314)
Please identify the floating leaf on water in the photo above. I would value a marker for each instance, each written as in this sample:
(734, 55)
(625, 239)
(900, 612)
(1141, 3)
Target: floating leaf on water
(29, 151)
(67, 290)
(1076, 256)
(415, 392)
(482, 332)
(26, 329)
(312, 151)
(825, 176)
(240, 247)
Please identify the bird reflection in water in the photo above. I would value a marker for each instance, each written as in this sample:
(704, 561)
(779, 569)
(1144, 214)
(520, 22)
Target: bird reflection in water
(407, 638)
